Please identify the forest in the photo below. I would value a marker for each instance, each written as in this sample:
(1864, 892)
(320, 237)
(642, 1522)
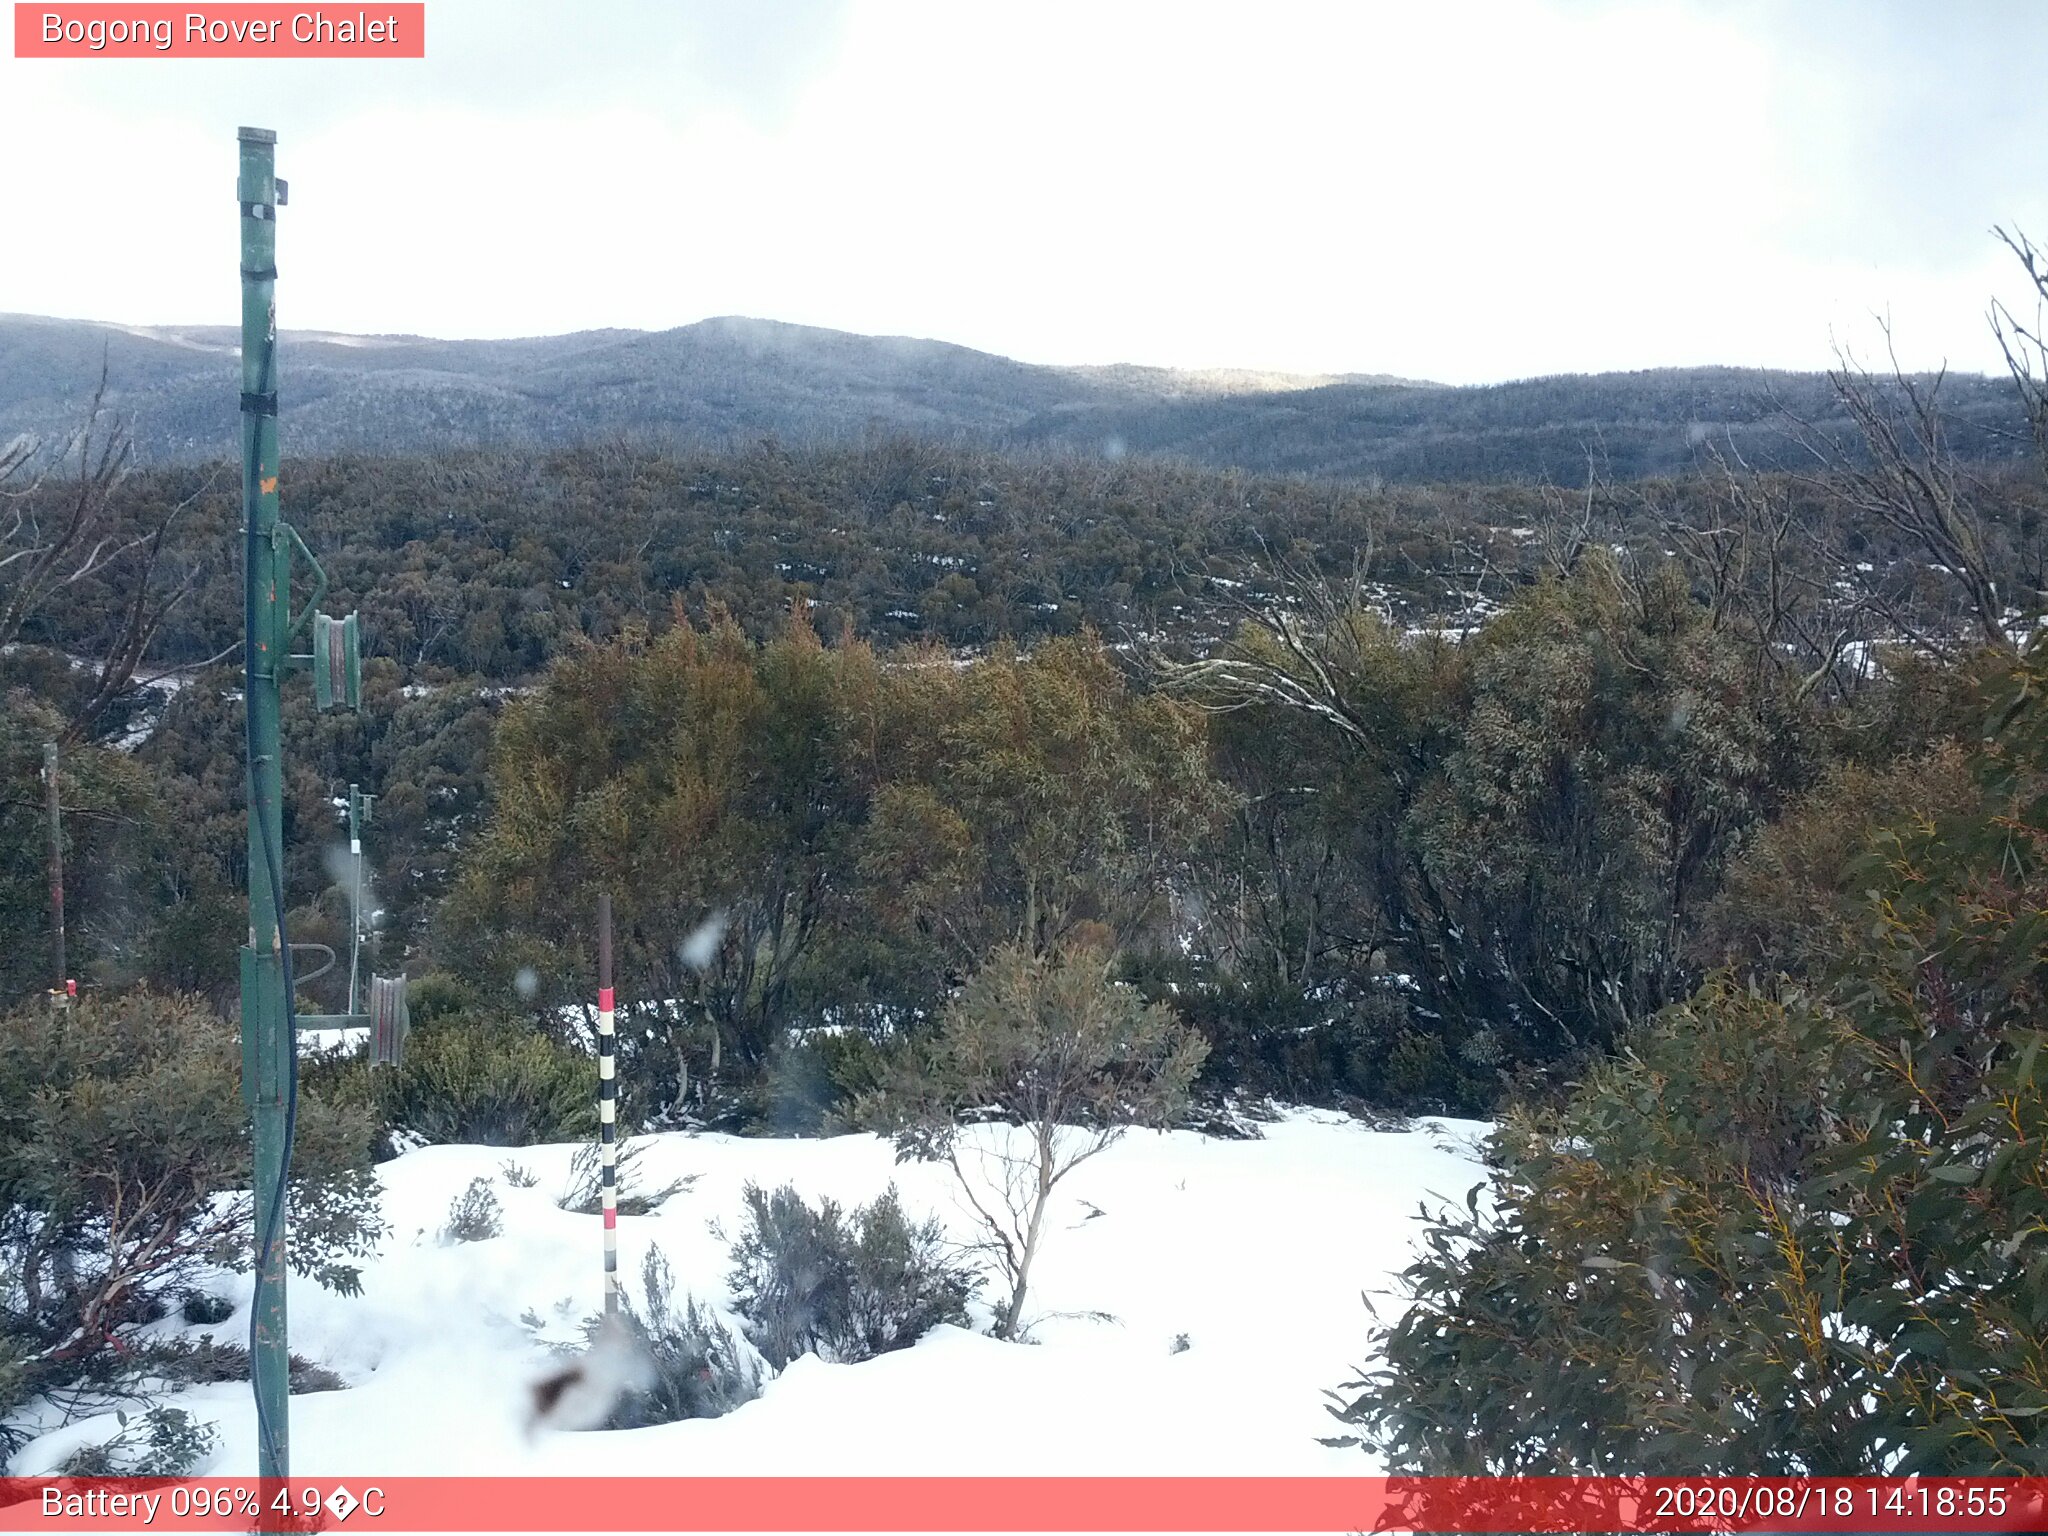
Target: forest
(1689, 827)
(732, 381)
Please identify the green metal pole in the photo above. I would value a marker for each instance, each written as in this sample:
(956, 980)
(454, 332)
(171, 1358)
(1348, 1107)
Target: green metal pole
(266, 1042)
(358, 813)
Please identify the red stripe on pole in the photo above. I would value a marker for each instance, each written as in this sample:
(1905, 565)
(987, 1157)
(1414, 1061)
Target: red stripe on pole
(611, 1217)
(1050, 1504)
(604, 999)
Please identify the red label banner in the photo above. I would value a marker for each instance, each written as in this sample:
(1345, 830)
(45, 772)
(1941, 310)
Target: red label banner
(101, 31)
(1017, 1504)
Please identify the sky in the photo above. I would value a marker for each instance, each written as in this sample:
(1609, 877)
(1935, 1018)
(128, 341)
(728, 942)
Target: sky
(1458, 190)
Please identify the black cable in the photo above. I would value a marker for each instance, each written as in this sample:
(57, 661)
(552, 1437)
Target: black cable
(273, 1220)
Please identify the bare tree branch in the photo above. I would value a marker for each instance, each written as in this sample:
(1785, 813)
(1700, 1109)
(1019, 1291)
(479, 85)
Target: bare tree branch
(60, 530)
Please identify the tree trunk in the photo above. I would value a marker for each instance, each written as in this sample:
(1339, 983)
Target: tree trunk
(1015, 1310)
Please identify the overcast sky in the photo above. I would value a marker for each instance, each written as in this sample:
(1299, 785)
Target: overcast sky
(1448, 190)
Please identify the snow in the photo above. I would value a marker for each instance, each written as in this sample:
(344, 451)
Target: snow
(1257, 1251)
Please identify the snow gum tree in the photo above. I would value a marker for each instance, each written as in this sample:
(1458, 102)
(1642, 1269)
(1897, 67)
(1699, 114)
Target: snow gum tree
(1795, 1227)
(1069, 1057)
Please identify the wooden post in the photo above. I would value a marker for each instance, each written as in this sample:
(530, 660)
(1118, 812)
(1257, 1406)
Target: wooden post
(53, 797)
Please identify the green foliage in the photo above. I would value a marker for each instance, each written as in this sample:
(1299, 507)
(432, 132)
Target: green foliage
(692, 1366)
(206, 1360)
(124, 1163)
(1356, 1039)
(847, 1286)
(1788, 903)
(584, 1193)
(1789, 1230)
(701, 780)
(1053, 1043)
(813, 1082)
(162, 1442)
(1057, 797)
(438, 995)
(18, 1384)
(203, 1307)
(1491, 854)
(1505, 859)
(1518, 827)
(474, 1215)
(1614, 752)
(109, 834)
(855, 834)
(497, 1083)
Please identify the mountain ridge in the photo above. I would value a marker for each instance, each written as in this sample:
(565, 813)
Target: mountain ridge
(732, 379)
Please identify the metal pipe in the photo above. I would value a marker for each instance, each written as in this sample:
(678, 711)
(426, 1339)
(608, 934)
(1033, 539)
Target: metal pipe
(355, 900)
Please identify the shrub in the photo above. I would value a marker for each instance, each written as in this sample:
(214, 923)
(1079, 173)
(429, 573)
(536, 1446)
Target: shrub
(585, 1191)
(206, 1360)
(1058, 1046)
(16, 1387)
(494, 1083)
(437, 996)
(1787, 904)
(163, 1442)
(1791, 1230)
(693, 1366)
(813, 1084)
(474, 1215)
(201, 1307)
(124, 1171)
(846, 1287)
(111, 823)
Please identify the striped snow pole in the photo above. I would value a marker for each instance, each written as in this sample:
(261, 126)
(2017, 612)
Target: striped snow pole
(607, 1106)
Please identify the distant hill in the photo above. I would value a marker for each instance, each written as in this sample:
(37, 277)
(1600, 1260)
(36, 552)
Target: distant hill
(732, 380)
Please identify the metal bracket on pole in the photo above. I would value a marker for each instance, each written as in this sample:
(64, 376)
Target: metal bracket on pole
(337, 663)
(389, 1020)
(285, 531)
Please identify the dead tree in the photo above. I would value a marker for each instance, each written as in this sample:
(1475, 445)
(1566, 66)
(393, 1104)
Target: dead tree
(1911, 483)
(66, 525)
(1769, 572)
(2026, 353)
(1302, 648)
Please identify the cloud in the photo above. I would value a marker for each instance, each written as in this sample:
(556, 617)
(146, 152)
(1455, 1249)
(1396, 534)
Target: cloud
(1462, 191)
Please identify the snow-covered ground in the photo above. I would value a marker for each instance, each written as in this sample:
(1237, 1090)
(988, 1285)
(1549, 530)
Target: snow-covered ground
(1257, 1251)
